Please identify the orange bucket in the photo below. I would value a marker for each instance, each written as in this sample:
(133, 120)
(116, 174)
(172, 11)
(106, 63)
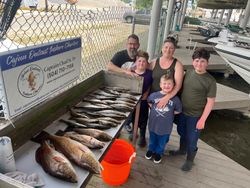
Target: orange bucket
(117, 162)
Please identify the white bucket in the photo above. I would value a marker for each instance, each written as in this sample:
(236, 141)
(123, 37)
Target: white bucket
(7, 161)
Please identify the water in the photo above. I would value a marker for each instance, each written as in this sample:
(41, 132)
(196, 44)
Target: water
(228, 131)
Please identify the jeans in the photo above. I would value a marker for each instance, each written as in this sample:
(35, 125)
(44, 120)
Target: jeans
(186, 128)
(157, 142)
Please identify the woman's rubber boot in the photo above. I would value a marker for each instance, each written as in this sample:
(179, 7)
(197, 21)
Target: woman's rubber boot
(181, 151)
(142, 140)
(187, 166)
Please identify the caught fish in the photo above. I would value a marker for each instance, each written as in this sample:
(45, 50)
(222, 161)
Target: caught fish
(86, 140)
(121, 107)
(87, 105)
(125, 95)
(109, 119)
(73, 113)
(107, 123)
(125, 99)
(55, 163)
(132, 105)
(110, 113)
(118, 89)
(101, 97)
(103, 93)
(98, 134)
(93, 100)
(72, 123)
(92, 125)
(74, 151)
(84, 125)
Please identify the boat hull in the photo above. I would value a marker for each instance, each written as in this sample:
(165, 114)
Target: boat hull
(238, 58)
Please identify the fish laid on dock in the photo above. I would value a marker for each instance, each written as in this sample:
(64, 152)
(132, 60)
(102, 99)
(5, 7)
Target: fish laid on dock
(74, 151)
(81, 124)
(98, 134)
(103, 93)
(93, 125)
(93, 100)
(109, 119)
(86, 140)
(55, 163)
(90, 106)
(73, 113)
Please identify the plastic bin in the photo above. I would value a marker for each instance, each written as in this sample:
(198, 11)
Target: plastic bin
(117, 163)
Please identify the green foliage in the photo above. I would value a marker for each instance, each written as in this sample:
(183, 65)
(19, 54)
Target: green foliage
(126, 1)
(144, 4)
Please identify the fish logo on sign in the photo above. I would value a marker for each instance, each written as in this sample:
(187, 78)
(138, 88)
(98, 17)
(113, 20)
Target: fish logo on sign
(30, 81)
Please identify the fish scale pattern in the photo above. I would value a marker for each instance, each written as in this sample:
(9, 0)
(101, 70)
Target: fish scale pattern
(103, 32)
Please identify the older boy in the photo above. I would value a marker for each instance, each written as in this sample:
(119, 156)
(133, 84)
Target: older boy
(141, 65)
(198, 97)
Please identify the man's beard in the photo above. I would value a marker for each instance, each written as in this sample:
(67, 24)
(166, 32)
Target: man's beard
(132, 53)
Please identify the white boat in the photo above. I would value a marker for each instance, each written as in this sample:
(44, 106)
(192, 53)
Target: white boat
(236, 52)
(238, 58)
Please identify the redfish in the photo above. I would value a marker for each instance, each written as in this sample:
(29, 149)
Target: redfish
(55, 163)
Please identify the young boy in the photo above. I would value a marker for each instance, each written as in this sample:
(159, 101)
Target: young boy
(161, 120)
(198, 97)
(141, 65)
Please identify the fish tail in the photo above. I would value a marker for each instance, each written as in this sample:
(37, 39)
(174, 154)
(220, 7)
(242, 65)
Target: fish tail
(43, 135)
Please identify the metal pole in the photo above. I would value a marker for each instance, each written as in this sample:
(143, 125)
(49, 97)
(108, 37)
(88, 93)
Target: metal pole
(183, 13)
(169, 16)
(133, 21)
(153, 28)
(212, 13)
(228, 16)
(243, 23)
(215, 13)
(175, 20)
(221, 16)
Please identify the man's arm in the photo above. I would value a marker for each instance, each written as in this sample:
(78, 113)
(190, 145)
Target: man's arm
(114, 68)
(208, 108)
(178, 78)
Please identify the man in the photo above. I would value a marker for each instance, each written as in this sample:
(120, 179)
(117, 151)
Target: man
(123, 60)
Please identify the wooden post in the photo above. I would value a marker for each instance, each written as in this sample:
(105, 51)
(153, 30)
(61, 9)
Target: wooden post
(135, 131)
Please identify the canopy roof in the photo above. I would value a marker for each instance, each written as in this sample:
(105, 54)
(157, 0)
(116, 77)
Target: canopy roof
(222, 4)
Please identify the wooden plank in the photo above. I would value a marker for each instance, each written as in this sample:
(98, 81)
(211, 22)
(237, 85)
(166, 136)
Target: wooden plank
(229, 98)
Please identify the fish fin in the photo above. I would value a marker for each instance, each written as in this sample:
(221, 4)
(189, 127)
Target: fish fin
(58, 159)
(43, 135)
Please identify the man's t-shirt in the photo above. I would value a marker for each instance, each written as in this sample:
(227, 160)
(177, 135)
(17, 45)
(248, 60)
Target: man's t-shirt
(196, 89)
(161, 120)
(121, 58)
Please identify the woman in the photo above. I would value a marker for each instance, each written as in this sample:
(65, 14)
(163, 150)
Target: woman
(167, 64)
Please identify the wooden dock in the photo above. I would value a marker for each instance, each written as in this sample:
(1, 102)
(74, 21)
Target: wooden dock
(187, 41)
(227, 98)
(212, 169)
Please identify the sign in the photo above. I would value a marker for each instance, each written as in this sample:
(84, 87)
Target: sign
(31, 75)
(9, 11)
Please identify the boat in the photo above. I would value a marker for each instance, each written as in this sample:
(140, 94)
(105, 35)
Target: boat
(235, 50)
